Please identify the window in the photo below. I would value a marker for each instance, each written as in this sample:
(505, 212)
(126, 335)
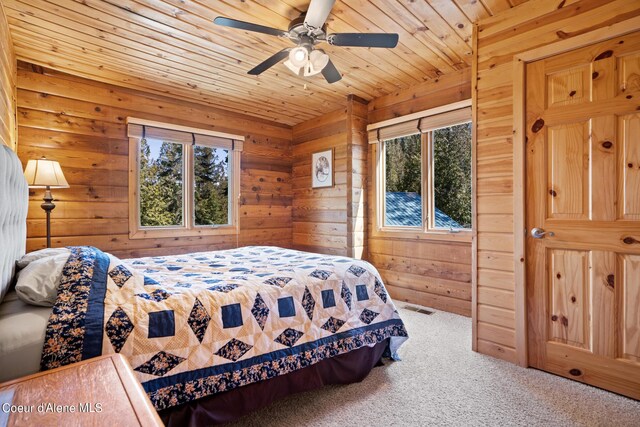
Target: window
(161, 178)
(423, 179)
(211, 185)
(451, 165)
(185, 181)
(403, 181)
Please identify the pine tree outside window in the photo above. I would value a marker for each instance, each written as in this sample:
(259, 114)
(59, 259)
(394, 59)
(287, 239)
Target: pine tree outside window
(183, 181)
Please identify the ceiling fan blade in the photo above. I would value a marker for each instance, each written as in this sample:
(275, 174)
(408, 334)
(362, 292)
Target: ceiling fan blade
(387, 40)
(248, 26)
(318, 13)
(273, 60)
(331, 73)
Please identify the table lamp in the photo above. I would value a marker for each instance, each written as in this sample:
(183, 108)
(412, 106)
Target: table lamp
(47, 174)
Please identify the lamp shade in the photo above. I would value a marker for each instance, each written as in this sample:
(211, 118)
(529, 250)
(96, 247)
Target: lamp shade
(44, 173)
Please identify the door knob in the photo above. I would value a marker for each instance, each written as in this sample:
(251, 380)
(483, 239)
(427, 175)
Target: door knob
(539, 233)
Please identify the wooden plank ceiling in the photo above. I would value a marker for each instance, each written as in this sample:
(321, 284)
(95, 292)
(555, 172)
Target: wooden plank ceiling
(172, 47)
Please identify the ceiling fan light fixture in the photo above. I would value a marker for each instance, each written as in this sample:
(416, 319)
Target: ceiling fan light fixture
(309, 70)
(316, 63)
(318, 60)
(299, 56)
(295, 70)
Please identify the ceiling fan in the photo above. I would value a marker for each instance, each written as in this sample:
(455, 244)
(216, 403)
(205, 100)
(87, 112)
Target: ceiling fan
(306, 32)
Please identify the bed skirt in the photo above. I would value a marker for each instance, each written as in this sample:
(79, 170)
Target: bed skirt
(230, 405)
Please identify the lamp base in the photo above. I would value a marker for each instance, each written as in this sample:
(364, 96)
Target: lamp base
(48, 206)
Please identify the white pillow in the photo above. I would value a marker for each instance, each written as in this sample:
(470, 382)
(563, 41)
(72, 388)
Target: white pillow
(38, 282)
(42, 253)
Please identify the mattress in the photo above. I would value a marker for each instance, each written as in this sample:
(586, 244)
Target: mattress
(22, 331)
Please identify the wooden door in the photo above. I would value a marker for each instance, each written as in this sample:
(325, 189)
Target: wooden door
(583, 185)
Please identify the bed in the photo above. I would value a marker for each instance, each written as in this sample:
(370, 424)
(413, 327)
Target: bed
(209, 335)
(22, 330)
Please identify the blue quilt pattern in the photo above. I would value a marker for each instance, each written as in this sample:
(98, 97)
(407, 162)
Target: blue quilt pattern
(198, 324)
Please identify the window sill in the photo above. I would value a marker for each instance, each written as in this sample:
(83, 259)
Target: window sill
(183, 232)
(462, 236)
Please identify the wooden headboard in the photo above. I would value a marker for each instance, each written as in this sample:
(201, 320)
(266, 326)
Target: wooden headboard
(14, 203)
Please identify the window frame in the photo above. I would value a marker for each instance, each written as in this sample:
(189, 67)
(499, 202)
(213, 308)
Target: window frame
(428, 229)
(188, 228)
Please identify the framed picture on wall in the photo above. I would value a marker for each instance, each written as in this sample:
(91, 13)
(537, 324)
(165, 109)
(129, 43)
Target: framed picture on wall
(322, 169)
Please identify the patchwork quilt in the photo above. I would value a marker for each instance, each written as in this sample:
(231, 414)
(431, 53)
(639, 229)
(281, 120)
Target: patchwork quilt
(203, 323)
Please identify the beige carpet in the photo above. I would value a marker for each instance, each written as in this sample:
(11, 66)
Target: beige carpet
(440, 381)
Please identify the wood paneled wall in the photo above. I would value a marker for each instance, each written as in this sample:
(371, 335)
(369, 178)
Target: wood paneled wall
(332, 220)
(526, 27)
(451, 87)
(357, 203)
(81, 123)
(320, 214)
(8, 128)
(434, 273)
